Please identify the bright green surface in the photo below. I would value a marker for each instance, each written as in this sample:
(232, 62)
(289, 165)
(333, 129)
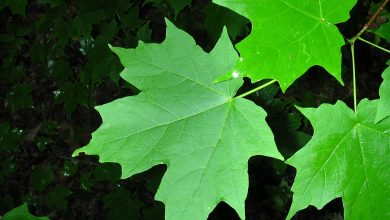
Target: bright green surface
(289, 36)
(348, 157)
(185, 121)
(384, 101)
(21, 213)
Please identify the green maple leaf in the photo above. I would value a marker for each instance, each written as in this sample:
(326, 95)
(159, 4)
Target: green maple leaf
(20, 213)
(384, 92)
(348, 157)
(181, 119)
(384, 30)
(288, 37)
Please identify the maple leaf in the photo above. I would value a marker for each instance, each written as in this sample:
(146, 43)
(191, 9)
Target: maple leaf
(384, 30)
(288, 37)
(384, 101)
(22, 212)
(198, 129)
(348, 157)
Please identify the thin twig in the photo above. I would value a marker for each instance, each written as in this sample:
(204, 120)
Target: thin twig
(372, 19)
(352, 44)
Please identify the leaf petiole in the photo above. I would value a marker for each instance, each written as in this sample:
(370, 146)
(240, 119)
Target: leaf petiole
(354, 77)
(374, 45)
(352, 43)
(256, 89)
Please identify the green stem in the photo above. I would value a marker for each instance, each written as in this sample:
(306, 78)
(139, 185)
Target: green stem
(374, 45)
(123, 29)
(354, 77)
(352, 43)
(256, 89)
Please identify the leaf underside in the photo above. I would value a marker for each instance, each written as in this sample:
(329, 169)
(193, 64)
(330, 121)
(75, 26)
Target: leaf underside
(183, 120)
(288, 37)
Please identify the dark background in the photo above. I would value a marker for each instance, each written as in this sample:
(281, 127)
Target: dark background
(55, 66)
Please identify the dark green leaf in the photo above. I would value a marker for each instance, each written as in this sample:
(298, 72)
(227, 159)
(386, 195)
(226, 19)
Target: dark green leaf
(72, 95)
(16, 6)
(20, 97)
(70, 168)
(107, 172)
(52, 3)
(9, 138)
(122, 205)
(41, 177)
(57, 198)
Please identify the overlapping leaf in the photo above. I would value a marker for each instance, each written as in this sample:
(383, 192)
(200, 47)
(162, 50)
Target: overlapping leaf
(384, 30)
(21, 212)
(181, 119)
(288, 37)
(384, 102)
(348, 157)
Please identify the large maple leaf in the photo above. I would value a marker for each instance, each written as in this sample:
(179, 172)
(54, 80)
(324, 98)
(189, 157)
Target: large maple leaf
(288, 37)
(348, 157)
(198, 129)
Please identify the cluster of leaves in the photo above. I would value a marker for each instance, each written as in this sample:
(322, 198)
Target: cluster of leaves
(56, 66)
(205, 134)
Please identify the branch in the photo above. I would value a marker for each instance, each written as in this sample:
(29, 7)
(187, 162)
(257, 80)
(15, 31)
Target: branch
(372, 19)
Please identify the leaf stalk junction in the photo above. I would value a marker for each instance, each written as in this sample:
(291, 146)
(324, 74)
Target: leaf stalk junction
(352, 45)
